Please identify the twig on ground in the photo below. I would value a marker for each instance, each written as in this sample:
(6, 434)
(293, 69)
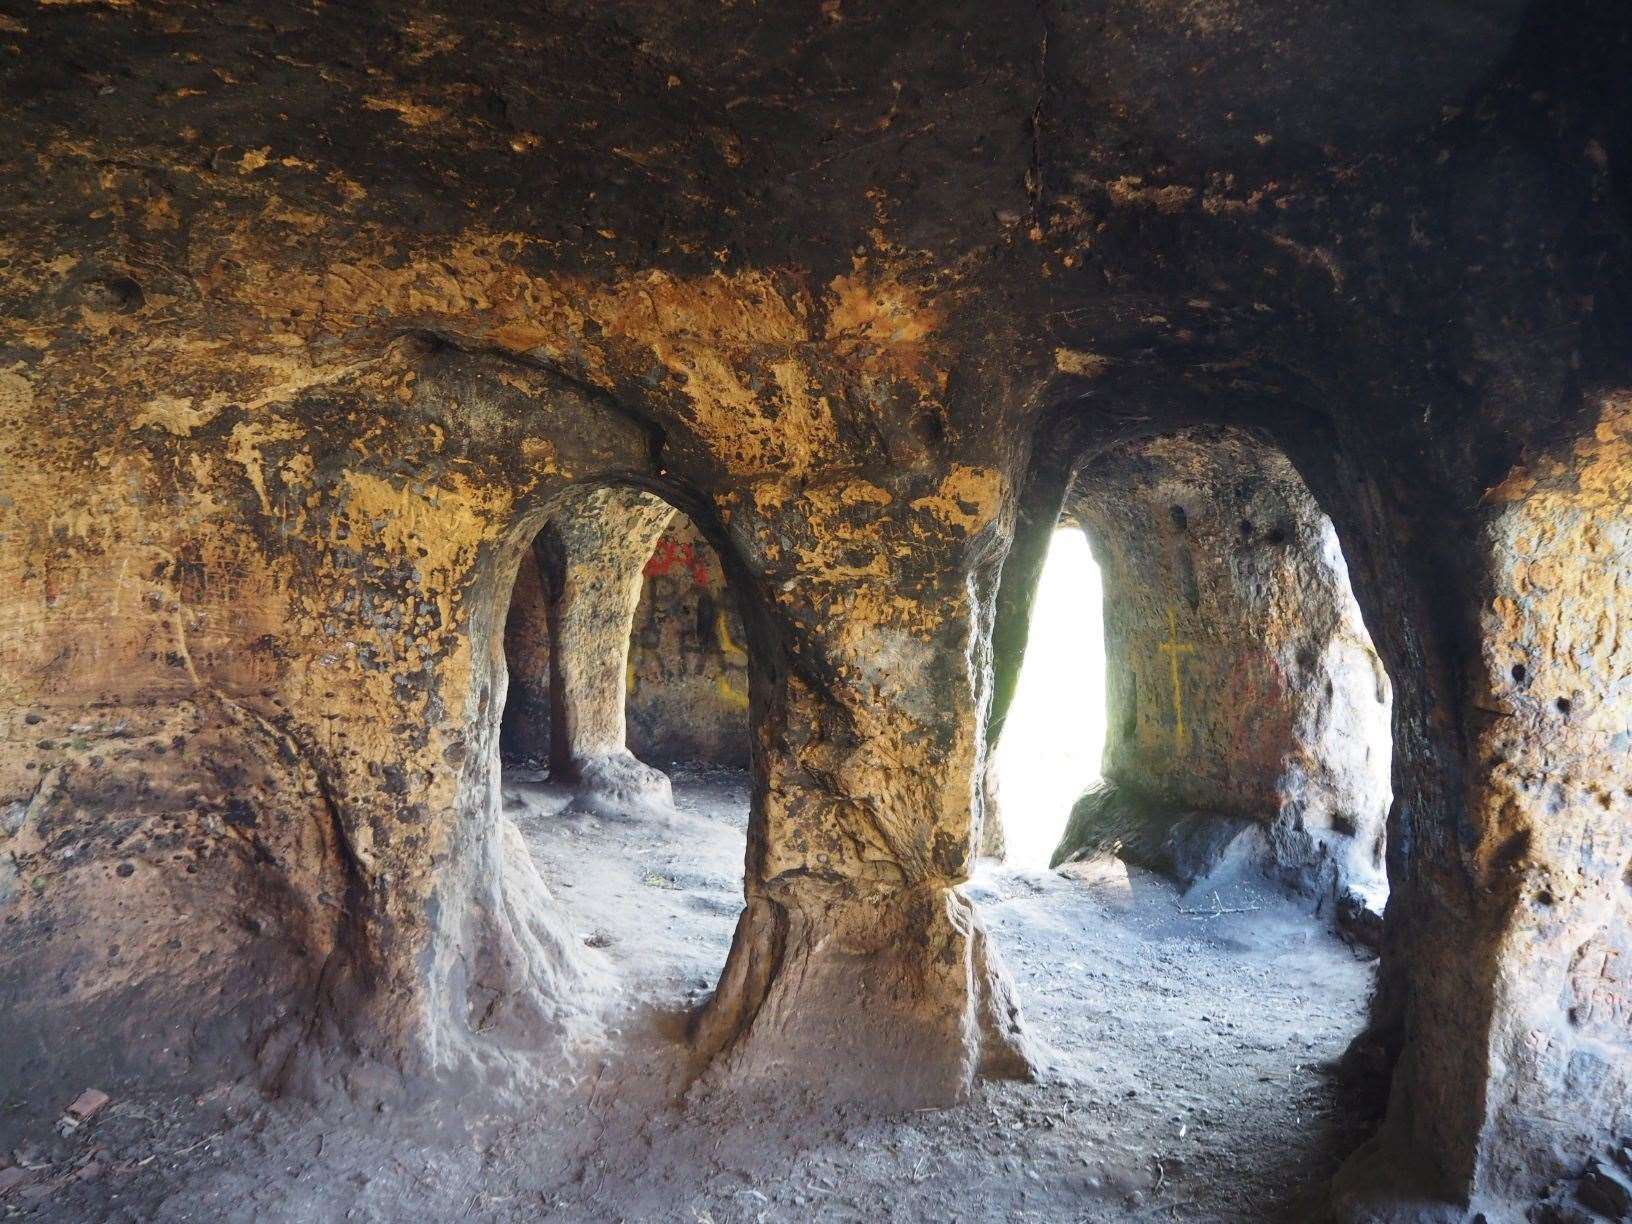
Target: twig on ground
(191, 1146)
(1218, 907)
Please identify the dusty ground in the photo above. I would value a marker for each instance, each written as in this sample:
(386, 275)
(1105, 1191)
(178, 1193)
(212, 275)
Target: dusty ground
(1183, 1081)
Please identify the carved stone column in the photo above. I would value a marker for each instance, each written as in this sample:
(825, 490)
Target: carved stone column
(859, 969)
(591, 556)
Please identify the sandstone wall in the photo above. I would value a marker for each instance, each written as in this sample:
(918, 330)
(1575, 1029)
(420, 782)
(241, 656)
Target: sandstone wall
(688, 665)
(250, 683)
(1551, 717)
(1248, 710)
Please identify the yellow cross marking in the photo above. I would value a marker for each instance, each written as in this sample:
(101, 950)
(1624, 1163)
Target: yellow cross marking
(1174, 650)
(731, 651)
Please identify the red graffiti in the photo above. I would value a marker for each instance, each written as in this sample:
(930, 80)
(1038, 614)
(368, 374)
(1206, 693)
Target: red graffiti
(670, 555)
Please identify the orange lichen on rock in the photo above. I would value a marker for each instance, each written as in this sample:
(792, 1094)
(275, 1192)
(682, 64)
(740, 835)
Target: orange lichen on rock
(412, 113)
(968, 499)
(1080, 364)
(886, 324)
(720, 336)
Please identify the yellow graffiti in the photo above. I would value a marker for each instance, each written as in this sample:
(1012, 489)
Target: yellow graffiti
(1175, 650)
(729, 692)
(733, 653)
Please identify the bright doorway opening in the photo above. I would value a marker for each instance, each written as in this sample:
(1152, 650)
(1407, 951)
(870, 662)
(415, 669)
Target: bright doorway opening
(1054, 736)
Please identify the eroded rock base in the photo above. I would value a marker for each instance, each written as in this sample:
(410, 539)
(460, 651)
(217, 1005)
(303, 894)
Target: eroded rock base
(1201, 850)
(617, 783)
(235, 824)
(897, 1001)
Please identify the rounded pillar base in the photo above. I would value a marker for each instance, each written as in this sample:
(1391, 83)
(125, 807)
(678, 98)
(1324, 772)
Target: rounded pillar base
(895, 1000)
(618, 784)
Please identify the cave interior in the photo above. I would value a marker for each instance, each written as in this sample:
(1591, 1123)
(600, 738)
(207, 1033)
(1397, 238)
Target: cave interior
(534, 541)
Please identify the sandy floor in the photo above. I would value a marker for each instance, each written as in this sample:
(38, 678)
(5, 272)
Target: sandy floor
(1183, 1081)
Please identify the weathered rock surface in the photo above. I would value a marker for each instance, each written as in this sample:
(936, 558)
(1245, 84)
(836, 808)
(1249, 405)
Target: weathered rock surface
(688, 662)
(1249, 713)
(255, 827)
(1550, 715)
(311, 317)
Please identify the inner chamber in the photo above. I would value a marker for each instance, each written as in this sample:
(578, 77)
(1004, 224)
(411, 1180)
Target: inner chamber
(1203, 700)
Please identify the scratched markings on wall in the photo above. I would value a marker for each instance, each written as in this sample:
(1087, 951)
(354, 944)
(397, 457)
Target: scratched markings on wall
(688, 670)
(1175, 651)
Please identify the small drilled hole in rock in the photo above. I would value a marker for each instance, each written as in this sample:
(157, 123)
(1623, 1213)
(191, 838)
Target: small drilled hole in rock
(113, 292)
(1544, 897)
(929, 428)
(1179, 518)
(1519, 673)
(1563, 704)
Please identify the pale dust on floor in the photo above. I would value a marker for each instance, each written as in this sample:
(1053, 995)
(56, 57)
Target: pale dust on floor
(1183, 1079)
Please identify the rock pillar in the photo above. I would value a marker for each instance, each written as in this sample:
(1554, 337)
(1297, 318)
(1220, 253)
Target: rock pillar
(591, 556)
(859, 970)
(1516, 938)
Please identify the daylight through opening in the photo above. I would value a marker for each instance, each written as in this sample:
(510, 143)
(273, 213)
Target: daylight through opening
(1054, 735)
(1245, 713)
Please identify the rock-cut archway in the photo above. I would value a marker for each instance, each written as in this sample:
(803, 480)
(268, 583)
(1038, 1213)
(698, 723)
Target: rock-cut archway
(624, 651)
(567, 644)
(1249, 713)
(315, 768)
